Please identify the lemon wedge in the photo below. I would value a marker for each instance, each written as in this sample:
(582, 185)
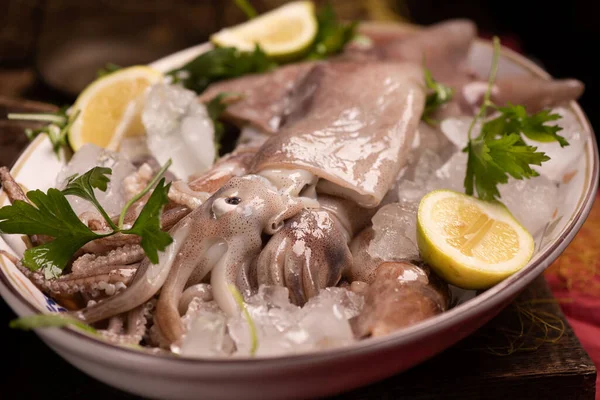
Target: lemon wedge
(282, 33)
(472, 244)
(109, 109)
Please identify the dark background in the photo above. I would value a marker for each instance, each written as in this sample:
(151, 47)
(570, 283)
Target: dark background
(50, 49)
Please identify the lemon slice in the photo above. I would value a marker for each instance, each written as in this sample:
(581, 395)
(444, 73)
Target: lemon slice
(109, 108)
(284, 32)
(472, 244)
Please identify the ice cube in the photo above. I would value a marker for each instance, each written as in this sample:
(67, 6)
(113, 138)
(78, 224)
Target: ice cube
(283, 328)
(346, 301)
(451, 175)
(206, 337)
(178, 128)
(88, 157)
(135, 148)
(562, 159)
(456, 129)
(395, 236)
(532, 201)
(325, 317)
(326, 326)
(428, 163)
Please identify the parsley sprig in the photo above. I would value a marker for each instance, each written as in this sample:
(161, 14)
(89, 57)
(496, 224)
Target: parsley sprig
(439, 94)
(499, 151)
(51, 214)
(332, 35)
(227, 62)
(219, 64)
(57, 129)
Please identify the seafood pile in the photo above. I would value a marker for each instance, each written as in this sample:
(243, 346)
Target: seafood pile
(311, 217)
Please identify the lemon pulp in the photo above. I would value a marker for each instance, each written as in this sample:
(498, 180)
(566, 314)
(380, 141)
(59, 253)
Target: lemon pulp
(471, 243)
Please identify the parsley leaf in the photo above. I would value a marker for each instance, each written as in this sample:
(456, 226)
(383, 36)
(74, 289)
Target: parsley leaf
(499, 150)
(332, 35)
(219, 64)
(439, 95)
(515, 119)
(147, 224)
(49, 214)
(141, 194)
(491, 160)
(83, 186)
(53, 257)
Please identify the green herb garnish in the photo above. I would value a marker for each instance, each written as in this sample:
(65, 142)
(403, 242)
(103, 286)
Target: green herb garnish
(219, 64)
(216, 107)
(246, 8)
(237, 296)
(227, 62)
(147, 224)
(57, 320)
(57, 129)
(332, 35)
(107, 70)
(83, 186)
(499, 150)
(51, 214)
(439, 95)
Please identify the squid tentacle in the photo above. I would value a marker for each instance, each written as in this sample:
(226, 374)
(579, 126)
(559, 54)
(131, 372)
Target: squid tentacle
(146, 283)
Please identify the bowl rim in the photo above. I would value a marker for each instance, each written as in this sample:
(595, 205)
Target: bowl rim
(453, 317)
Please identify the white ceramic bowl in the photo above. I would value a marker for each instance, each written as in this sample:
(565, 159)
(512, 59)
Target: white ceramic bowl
(307, 375)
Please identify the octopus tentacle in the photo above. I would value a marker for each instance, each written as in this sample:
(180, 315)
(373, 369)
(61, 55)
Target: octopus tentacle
(115, 324)
(193, 256)
(137, 320)
(203, 291)
(172, 216)
(138, 180)
(181, 193)
(311, 251)
(228, 272)
(108, 281)
(11, 187)
(146, 283)
(89, 263)
(14, 192)
(106, 244)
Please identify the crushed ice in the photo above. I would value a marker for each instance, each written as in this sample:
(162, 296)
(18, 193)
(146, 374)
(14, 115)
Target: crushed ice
(281, 327)
(88, 157)
(179, 128)
(532, 202)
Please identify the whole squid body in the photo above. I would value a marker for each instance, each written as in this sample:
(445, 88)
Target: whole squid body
(348, 136)
(355, 143)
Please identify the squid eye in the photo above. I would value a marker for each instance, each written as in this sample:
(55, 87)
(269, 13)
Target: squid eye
(234, 201)
(224, 205)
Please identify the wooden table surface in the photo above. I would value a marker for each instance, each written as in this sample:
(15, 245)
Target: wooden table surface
(550, 363)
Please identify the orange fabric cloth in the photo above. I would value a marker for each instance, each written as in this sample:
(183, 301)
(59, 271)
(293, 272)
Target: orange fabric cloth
(575, 278)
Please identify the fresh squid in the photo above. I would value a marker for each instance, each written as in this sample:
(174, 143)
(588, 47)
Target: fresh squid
(357, 150)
